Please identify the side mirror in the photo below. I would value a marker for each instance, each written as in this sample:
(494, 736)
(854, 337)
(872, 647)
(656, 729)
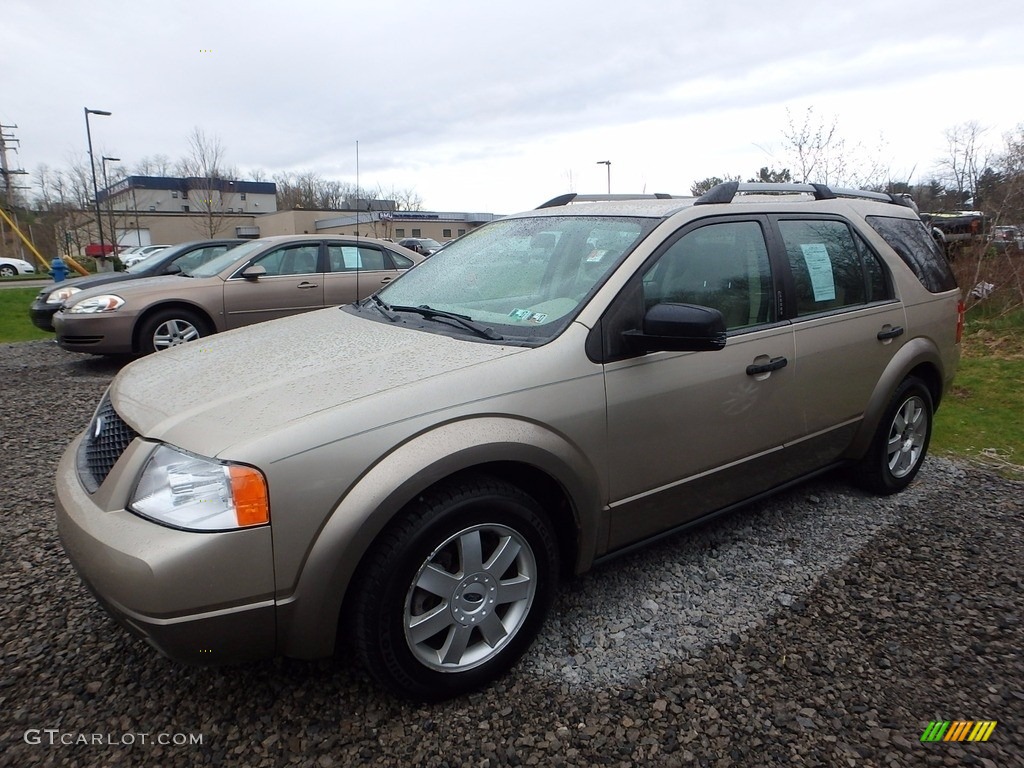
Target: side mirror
(172, 269)
(255, 272)
(679, 328)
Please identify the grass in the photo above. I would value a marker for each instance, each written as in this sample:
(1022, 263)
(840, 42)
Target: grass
(981, 418)
(14, 322)
(20, 278)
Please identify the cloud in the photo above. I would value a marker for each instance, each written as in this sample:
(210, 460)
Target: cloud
(451, 98)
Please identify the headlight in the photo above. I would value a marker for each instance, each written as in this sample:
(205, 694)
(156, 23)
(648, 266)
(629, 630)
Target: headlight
(106, 303)
(56, 297)
(198, 494)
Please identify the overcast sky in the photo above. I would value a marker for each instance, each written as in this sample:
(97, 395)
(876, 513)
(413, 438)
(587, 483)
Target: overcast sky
(497, 106)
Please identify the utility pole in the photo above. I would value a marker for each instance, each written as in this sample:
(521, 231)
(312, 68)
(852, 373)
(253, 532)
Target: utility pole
(5, 169)
(7, 172)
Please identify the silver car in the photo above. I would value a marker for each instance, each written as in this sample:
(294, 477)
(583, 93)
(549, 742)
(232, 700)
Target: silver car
(411, 476)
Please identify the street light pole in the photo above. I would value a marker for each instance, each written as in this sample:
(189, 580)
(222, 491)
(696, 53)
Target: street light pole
(92, 165)
(608, 165)
(110, 210)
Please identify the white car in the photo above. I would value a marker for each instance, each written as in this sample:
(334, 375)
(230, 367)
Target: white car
(137, 254)
(12, 267)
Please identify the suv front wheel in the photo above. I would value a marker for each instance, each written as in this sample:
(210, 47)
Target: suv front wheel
(452, 594)
(901, 442)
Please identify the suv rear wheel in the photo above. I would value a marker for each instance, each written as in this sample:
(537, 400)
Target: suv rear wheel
(901, 442)
(453, 593)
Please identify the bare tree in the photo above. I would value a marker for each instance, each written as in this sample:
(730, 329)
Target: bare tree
(817, 152)
(210, 182)
(309, 190)
(157, 165)
(405, 199)
(965, 160)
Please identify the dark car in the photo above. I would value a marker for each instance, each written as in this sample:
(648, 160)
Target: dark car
(424, 246)
(168, 261)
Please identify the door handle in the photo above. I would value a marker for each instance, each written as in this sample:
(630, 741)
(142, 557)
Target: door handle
(890, 333)
(304, 285)
(384, 280)
(772, 365)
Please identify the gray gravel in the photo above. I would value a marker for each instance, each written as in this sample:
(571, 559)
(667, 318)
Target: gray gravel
(824, 628)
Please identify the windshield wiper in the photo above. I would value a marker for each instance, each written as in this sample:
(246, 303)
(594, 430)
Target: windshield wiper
(464, 320)
(382, 306)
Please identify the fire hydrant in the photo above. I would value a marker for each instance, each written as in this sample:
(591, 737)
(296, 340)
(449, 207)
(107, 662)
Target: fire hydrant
(58, 269)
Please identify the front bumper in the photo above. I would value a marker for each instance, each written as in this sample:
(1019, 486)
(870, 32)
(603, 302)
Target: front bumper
(41, 314)
(101, 334)
(196, 597)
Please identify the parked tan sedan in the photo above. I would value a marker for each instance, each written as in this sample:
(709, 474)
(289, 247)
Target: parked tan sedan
(262, 280)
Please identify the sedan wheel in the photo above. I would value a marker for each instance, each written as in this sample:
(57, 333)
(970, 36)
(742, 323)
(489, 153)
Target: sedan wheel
(8, 271)
(174, 332)
(169, 328)
(454, 591)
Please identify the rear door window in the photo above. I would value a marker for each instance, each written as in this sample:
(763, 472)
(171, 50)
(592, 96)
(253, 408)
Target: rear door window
(832, 268)
(915, 245)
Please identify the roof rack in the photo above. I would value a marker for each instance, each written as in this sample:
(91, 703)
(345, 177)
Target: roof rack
(572, 197)
(727, 191)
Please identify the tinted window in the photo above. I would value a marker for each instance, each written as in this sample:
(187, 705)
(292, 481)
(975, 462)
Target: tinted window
(723, 266)
(914, 244)
(827, 265)
(200, 256)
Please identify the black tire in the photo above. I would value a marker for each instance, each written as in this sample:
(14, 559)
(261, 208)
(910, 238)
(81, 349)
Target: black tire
(169, 328)
(485, 616)
(8, 271)
(901, 443)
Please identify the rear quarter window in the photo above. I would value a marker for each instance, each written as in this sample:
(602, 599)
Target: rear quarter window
(914, 244)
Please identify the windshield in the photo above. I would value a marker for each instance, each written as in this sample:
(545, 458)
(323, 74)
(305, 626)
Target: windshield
(523, 277)
(147, 261)
(226, 259)
(142, 264)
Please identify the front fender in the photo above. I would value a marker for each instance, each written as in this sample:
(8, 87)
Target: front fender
(308, 618)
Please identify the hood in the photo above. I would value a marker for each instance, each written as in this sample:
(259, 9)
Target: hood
(232, 387)
(128, 285)
(86, 283)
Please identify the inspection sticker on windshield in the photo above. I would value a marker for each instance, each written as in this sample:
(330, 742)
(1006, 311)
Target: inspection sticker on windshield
(527, 316)
(595, 255)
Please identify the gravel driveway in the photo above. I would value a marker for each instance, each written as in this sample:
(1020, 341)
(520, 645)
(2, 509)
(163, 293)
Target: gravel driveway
(823, 628)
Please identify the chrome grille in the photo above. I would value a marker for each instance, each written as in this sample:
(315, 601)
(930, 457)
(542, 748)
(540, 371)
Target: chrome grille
(106, 440)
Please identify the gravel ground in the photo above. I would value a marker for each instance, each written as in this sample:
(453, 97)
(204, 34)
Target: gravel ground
(823, 628)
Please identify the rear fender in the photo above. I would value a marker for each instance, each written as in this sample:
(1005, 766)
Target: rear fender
(918, 356)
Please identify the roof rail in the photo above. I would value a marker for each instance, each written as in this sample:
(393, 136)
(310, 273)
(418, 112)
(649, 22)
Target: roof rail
(572, 197)
(727, 191)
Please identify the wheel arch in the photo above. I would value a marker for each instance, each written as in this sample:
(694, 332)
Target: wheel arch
(547, 467)
(918, 358)
(165, 305)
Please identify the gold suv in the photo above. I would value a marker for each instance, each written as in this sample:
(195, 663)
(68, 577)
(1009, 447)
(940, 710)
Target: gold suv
(409, 476)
